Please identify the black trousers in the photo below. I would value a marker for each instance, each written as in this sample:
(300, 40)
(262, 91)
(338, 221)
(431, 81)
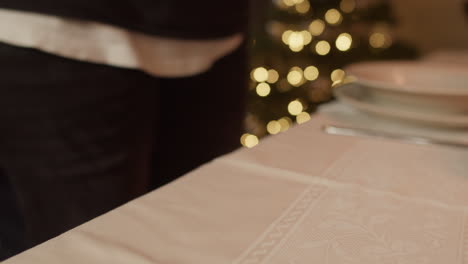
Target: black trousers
(79, 139)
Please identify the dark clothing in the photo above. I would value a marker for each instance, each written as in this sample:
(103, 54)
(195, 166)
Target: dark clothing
(171, 18)
(79, 139)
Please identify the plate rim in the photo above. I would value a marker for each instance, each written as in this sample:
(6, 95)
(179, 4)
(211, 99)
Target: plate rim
(392, 87)
(408, 115)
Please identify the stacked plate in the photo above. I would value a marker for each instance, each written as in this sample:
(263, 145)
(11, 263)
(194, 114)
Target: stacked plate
(431, 94)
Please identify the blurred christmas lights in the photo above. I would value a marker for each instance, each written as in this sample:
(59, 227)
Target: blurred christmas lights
(347, 6)
(295, 107)
(313, 85)
(273, 127)
(322, 48)
(249, 140)
(260, 74)
(263, 89)
(337, 75)
(333, 17)
(311, 73)
(317, 27)
(344, 42)
(302, 117)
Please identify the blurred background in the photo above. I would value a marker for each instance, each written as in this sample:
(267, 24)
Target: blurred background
(299, 49)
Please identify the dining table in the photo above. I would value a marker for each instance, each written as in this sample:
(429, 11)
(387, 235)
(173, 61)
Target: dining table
(301, 196)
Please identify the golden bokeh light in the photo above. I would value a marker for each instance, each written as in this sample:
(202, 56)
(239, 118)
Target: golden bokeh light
(260, 74)
(347, 6)
(302, 117)
(333, 17)
(250, 140)
(317, 27)
(303, 7)
(295, 76)
(242, 139)
(280, 4)
(289, 2)
(296, 41)
(285, 36)
(338, 75)
(296, 68)
(273, 127)
(322, 48)
(379, 40)
(285, 123)
(263, 89)
(311, 73)
(344, 42)
(306, 36)
(337, 83)
(296, 48)
(273, 76)
(295, 107)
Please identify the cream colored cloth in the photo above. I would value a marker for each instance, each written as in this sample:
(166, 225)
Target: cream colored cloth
(299, 197)
(106, 44)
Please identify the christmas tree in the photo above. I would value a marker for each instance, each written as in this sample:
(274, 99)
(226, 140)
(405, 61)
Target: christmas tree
(299, 50)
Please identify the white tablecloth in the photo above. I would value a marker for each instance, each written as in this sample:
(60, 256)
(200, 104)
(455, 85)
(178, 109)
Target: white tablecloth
(299, 197)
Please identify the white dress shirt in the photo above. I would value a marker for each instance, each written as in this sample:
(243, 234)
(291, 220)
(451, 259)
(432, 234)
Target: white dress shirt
(106, 44)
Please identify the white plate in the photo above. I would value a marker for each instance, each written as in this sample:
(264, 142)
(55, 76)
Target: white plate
(359, 97)
(454, 57)
(413, 77)
(437, 88)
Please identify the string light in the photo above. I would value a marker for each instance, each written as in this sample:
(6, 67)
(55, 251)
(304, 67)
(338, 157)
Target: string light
(273, 127)
(317, 27)
(344, 42)
(296, 41)
(303, 7)
(295, 107)
(337, 75)
(306, 36)
(285, 123)
(323, 34)
(242, 139)
(263, 89)
(311, 73)
(285, 36)
(379, 40)
(333, 17)
(249, 140)
(273, 76)
(302, 117)
(322, 48)
(347, 6)
(280, 4)
(289, 2)
(260, 74)
(295, 76)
